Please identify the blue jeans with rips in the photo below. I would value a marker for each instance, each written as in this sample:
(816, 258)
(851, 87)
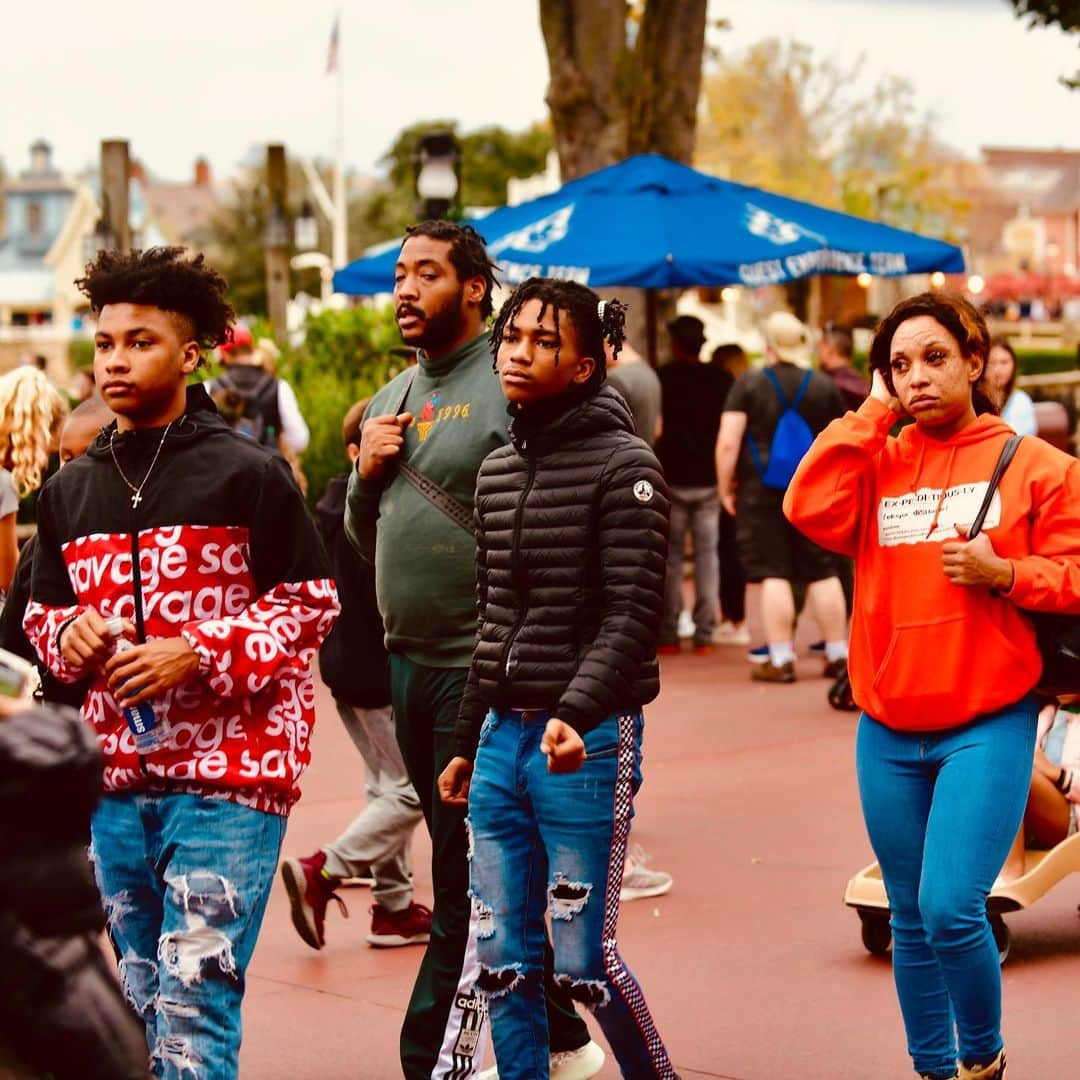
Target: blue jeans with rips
(942, 809)
(542, 840)
(185, 880)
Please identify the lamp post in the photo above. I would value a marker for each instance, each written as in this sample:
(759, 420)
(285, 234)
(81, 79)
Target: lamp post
(306, 229)
(437, 171)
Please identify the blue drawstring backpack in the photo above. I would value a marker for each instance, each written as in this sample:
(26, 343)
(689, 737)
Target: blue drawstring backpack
(790, 441)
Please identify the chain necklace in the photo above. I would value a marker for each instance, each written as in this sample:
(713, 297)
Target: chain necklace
(136, 496)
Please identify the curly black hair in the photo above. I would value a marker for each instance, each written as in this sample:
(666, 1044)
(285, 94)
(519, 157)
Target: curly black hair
(468, 254)
(166, 278)
(595, 320)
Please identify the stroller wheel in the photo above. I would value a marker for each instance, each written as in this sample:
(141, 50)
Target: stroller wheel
(876, 932)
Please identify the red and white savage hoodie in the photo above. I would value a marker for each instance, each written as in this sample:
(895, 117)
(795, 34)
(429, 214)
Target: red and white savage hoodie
(220, 549)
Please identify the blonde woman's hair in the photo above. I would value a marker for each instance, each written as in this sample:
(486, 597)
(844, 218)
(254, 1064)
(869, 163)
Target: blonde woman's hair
(31, 412)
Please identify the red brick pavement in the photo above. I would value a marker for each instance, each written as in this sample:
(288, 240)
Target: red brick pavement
(752, 965)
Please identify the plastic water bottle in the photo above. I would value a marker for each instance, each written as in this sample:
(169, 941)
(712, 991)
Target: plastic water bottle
(149, 731)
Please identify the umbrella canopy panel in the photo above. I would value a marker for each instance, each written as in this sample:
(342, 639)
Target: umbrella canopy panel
(649, 222)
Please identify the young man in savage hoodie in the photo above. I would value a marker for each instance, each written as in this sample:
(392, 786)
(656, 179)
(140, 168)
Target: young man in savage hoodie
(196, 545)
(943, 659)
(451, 417)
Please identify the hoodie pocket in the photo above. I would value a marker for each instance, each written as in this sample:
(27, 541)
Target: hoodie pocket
(941, 672)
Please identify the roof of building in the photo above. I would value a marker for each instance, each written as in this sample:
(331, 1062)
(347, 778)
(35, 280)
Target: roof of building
(180, 211)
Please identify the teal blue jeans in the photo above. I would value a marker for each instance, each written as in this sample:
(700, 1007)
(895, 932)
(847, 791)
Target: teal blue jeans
(185, 881)
(942, 809)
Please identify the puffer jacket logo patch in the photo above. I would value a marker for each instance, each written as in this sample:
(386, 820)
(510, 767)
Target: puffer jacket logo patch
(643, 491)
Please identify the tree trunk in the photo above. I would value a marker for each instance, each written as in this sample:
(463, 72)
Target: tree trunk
(666, 85)
(586, 42)
(608, 101)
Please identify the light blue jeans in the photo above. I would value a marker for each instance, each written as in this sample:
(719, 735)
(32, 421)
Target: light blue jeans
(942, 809)
(550, 841)
(185, 881)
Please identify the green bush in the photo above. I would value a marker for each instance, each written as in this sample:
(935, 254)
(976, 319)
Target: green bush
(81, 354)
(345, 357)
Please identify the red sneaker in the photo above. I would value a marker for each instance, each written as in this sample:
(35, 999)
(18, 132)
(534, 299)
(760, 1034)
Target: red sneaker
(310, 889)
(668, 650)
(409, 926)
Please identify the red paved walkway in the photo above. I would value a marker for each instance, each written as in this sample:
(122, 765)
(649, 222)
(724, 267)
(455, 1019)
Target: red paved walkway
(752, 965)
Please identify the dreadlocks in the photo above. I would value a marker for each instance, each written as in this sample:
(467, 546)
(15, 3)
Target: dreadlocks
(468, 254)
(595, 320)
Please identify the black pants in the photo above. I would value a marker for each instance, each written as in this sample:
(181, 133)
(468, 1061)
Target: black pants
(732, 582)
(439, 1020)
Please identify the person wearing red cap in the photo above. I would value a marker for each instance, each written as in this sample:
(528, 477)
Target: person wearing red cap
(264, 405)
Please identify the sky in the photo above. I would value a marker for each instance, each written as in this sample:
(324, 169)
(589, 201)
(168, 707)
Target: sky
(215, 77)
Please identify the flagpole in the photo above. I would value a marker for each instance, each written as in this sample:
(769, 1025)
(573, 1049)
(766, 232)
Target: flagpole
(339, 247)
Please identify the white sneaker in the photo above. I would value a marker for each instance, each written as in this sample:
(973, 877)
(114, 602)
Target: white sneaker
(639, 881)
(566, 1065)
(727, 633)
(686, 624)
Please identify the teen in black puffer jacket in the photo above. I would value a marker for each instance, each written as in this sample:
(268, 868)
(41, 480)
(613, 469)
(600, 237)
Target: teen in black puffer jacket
(571, 522)
(572, 541)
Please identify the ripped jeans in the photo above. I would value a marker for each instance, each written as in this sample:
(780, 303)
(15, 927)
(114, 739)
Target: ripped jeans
(556, 842)
(185, 881)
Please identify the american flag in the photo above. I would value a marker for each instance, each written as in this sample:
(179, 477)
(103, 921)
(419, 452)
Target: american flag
(332, 52)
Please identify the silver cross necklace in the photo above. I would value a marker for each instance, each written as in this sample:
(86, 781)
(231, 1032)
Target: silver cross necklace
(136, 492)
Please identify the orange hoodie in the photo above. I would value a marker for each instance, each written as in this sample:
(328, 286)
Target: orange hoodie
(927, 654)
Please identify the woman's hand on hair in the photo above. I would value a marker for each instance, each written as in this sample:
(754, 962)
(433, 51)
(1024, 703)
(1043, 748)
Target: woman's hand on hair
(879, 391)
(975, 563)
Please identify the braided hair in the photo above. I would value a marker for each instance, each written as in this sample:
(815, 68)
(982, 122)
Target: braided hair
(596, 321)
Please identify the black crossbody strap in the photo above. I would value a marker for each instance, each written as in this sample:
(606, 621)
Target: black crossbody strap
(1008, 452)
(438, 496)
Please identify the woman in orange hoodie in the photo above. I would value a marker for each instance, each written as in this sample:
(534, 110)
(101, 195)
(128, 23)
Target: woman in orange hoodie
(943, 659)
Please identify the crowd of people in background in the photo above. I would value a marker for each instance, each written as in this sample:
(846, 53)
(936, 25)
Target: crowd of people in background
(494, 573)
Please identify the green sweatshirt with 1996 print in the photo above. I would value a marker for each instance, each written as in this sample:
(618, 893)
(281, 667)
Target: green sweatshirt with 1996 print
(425, 563)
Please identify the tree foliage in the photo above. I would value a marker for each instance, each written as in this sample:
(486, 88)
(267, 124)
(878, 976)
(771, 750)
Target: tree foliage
(775, 116)
(1064, 14)
(490, 156)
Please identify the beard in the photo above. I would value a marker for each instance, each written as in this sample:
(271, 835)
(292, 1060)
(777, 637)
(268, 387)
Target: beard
(439, 328)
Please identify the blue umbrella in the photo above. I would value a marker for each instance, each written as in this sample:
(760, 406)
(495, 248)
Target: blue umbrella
(652, 223)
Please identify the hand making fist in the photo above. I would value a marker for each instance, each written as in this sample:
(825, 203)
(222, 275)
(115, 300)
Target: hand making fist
(564, 747)
(381, 441)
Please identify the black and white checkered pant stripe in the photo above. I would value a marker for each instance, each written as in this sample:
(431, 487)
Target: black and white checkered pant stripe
(618, 975)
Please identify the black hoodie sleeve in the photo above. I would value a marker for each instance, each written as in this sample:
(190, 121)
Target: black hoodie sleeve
(632, 537)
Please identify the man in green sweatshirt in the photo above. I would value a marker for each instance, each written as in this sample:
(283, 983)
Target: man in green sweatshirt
(443, 417)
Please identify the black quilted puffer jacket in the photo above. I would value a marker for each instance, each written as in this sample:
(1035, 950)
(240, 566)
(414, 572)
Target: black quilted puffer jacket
(572, 521)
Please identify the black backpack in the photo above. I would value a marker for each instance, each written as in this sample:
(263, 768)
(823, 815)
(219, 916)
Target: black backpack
(247, 398)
